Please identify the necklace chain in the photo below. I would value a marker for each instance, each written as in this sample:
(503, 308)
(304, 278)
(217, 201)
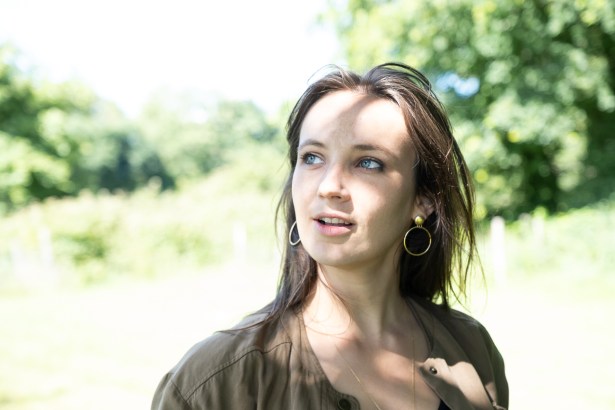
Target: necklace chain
(356, 377)
(369, 396)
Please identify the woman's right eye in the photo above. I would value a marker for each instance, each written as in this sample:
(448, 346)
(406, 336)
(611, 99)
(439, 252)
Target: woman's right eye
(310, 159)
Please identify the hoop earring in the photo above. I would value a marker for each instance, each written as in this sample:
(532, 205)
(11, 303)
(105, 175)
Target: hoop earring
(419, 225)
(290, 235)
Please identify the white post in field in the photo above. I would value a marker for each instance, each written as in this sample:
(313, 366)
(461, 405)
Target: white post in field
(48, 271)
(18, 261)
(538, 229)
(498, 249)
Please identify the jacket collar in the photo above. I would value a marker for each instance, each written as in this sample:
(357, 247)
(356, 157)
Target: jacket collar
(448, 369)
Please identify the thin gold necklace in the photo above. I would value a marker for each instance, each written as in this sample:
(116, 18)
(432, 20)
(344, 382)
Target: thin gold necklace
(369, 396)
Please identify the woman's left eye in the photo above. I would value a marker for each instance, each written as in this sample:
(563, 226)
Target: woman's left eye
(369, 163)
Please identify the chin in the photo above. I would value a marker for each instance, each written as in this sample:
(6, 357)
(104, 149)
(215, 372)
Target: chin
(340, 260)
(330, 257)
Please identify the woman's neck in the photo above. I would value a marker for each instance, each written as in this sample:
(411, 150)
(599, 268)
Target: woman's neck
(361, 305)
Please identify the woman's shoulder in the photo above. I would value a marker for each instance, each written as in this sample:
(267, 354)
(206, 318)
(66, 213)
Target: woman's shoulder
(456, 336)
(445, 324)
(218, 359)
(457, 322)
(226, 346)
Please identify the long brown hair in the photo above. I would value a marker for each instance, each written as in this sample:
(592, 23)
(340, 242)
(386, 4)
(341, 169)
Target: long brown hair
(442, 178)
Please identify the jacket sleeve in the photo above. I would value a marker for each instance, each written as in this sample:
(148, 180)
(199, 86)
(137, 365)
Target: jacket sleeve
(497, 364)
(168, 396)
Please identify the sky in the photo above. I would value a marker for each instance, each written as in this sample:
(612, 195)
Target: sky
(264, 50)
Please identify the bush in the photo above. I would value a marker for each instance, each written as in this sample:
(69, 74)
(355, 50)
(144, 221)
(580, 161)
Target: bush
(91, 238)
(570, 246)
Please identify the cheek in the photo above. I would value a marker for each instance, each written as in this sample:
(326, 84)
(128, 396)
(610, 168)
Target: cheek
(397, 210)
(294, 182)
(296, 191)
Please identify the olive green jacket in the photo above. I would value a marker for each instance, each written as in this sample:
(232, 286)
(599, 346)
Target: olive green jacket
(272, 366)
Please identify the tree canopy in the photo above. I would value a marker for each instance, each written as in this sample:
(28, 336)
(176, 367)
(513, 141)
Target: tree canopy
(57, 139)
(529, 85)
(195, 135)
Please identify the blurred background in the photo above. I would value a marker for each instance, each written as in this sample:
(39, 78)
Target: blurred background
(142, 153)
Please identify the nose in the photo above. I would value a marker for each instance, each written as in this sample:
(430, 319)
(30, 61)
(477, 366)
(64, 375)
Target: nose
(332, 184)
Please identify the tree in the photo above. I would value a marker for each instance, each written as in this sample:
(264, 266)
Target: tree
(31, 162)
(195, 136)
(530, 87)
(57, 139)
(111, 153)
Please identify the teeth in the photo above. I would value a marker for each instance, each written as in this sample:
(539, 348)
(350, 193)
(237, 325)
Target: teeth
(336, 221)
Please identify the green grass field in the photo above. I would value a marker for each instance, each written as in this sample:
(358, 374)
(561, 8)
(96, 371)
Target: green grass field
(67, 345)
(107, 346)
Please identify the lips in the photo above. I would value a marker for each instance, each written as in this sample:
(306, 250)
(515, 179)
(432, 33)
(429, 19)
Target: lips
(333, 225)
(333, 221)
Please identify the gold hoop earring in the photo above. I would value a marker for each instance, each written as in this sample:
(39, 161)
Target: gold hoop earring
(419, 225)
(290, 235)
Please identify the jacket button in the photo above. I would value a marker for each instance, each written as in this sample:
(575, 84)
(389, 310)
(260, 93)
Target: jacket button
(344, 404)
(433, 370)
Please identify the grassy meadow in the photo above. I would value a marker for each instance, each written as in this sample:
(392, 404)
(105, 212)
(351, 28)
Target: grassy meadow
(101, 295)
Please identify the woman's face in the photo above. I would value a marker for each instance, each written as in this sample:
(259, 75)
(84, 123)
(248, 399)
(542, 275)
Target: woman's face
(353, 187)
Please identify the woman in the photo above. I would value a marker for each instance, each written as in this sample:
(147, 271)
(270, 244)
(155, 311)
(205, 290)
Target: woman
(378, 209)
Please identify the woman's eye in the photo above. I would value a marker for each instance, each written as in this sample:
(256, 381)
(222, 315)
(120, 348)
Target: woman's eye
(369, 163)
(310, 159)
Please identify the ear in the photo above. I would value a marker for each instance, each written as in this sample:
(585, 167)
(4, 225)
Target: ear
(422, 206)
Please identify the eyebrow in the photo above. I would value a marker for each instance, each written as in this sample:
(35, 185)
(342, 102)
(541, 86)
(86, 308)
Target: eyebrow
(372, 147)
(359, 147)
(310, 141)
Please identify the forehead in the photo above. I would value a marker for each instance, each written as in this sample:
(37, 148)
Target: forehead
(357, 116)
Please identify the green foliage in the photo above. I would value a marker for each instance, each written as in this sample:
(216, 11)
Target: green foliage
(31, 161)
(58, 139)
(110, 154)
(575, 245)
(530, 87)
(195, 137)
(92, 238)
